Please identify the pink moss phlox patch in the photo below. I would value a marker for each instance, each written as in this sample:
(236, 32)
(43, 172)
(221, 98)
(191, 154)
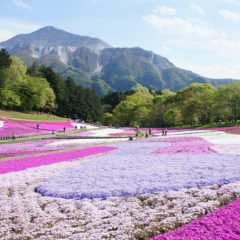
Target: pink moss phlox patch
(184, 145)
(224, 223)
(9, 127)
(29, 162)
(56, 126)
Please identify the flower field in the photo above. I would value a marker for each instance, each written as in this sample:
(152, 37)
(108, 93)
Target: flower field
(36, 161)
(26, 128)
(7, 128)
(224, 223)
(184, 186)
(40, 146)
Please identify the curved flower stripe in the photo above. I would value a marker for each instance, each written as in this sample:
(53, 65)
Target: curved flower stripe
(184, 145)
(29, 162)
(132, 170)
(224, 223)
(46, 125)
(8, 129)
(39, 146)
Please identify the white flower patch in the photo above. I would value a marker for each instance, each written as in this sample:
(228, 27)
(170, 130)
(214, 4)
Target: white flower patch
(226, 148)
(86, 141)
(219, 137)
(181, 132)
(105, 132)
(1, 124)
(88, 126)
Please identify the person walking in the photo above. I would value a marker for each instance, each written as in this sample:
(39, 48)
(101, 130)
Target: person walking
(150, 131)
(13, 136)
(163, 132)
(166, 132)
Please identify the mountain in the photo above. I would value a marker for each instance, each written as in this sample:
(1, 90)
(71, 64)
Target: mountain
(95, 64)
(50, 40)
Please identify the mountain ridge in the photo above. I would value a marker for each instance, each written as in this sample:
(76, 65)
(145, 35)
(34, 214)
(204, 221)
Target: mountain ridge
(94, 63)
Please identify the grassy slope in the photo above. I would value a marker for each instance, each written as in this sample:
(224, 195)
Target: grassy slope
(213, 125)
(30, 116)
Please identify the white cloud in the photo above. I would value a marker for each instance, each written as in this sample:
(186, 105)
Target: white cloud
(233, 1)
(197, 8)
(230, 15)
(10, 28)
(165, 10)
(21, 4)
(224, 54)
(212, 70)
(225, 47)
(182, 26)
(166, 49)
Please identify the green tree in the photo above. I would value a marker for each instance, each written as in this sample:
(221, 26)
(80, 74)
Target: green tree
(228, 100)
(173, 116)
(9, 99)
(5, 59)
(107, 118)
(23, 92)
(135, 109)
(202, 104)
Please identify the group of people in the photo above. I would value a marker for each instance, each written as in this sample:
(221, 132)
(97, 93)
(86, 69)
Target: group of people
(164, 132)
(147, 133)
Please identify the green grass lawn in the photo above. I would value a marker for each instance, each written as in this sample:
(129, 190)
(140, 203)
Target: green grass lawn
(213, 125)
(30, 116)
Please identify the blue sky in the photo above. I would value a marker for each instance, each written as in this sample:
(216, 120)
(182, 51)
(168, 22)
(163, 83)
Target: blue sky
(198, 35)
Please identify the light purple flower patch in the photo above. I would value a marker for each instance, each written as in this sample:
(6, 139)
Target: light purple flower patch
(132, 170)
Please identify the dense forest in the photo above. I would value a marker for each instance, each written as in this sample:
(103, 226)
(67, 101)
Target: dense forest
(195, 104)
(39, 88)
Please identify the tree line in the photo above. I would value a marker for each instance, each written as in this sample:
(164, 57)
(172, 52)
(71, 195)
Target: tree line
(195, 104)
(39, 88)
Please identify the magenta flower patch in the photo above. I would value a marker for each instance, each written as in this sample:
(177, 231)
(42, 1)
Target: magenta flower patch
(29, 162)
(50, 126)
(224, 223)
(9, 128)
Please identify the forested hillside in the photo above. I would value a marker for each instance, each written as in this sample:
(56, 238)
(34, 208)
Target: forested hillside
(39, 88)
